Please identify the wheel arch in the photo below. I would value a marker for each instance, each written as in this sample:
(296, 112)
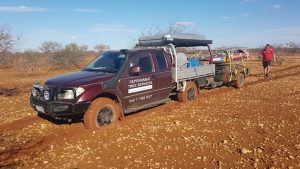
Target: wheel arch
(113, 97)
(109, 95)
(189, 81)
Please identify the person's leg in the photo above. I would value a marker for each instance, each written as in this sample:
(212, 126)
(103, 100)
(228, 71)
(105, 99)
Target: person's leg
(265, 68)
(267, 71)
(268, 68)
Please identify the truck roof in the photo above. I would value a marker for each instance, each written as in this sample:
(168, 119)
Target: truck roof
(178, 40)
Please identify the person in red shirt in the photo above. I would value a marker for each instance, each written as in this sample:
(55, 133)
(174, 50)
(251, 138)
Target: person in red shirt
(267, 54)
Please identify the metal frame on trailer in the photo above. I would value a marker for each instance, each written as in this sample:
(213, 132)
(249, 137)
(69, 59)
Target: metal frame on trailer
(169, 43)
(232, 61)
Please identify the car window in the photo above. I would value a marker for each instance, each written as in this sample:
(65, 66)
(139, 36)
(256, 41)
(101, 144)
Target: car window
(161, 61)
(145, 64)
(144, 61)
(108, 62)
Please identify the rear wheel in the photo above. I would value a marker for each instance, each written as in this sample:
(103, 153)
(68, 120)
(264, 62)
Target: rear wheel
(240, 81)
(101, 112)
(190, 92)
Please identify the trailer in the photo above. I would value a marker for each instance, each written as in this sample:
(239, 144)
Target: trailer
(231, 65)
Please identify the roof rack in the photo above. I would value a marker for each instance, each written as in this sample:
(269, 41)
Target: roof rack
(178, 40)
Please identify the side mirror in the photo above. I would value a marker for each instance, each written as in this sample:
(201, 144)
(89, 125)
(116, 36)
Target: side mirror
(135, 70)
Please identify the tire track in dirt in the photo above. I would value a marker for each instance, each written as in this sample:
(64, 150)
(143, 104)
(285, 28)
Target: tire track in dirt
(19, 124)
(59, 135)
(276, 77)
(277, 71)
(286, 69)
(11, 156)
(271, 78)
(14, 155)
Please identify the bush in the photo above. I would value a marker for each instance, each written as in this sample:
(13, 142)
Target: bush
(26, 62)
(8, 43)
(58, 57)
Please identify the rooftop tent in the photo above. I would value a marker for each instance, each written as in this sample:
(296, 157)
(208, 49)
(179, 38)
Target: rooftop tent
(178, 40)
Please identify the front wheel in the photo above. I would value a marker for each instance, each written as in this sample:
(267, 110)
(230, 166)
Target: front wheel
(190, 92)
(240, 81)
(101, 112)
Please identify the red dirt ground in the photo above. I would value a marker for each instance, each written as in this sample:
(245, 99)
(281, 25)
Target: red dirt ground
(255, 127)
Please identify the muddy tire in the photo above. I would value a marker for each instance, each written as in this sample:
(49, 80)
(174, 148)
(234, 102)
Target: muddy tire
(240, 81)
(190, 93)
(101, 112)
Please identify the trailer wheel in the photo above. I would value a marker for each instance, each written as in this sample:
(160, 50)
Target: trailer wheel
(190, 92)
(240, 81)
(101, 112)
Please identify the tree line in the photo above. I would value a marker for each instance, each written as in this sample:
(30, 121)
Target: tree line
(50, 54)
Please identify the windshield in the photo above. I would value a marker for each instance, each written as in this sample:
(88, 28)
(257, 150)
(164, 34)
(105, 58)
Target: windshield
(109, 62)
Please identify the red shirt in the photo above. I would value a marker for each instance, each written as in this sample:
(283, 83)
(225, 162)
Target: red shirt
(267, 54)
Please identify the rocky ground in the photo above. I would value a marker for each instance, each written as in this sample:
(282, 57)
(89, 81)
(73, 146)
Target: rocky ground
(255, 127)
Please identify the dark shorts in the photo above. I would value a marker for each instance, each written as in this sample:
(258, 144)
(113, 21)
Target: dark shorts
(266, 63)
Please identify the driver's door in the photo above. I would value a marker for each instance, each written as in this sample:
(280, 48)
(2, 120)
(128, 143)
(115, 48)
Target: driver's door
(140, 88)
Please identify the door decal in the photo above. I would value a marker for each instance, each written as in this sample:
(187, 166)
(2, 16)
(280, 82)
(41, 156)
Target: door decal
(138, 85)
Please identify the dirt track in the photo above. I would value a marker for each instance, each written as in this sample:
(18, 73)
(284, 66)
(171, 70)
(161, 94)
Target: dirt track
(255, 127)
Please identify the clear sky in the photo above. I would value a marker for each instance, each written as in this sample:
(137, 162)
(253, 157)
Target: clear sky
(248, 23)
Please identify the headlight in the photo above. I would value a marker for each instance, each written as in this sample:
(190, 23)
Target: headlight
(34, 92)
(37, 88)
(79, 91)
(46, 95)
(69, 94)
(66, 94)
